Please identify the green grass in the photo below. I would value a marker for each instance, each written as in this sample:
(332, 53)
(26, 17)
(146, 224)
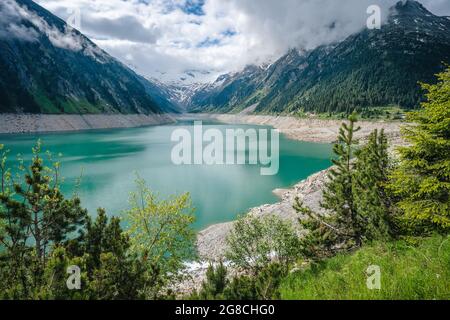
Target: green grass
(408, 272)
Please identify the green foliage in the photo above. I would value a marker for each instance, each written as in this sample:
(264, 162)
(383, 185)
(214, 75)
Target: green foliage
(42, 234)
(241, 288)
(342, 225)
(112, 272)
(268, 281)
(355, 198)
(373, 205)
(34, 217)
(255, 242)
(263, 286)
(338, 194)
(214, 286)
(407, 272)
(422, 180)
(161, 234)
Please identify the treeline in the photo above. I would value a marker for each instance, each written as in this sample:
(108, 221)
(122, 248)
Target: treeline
(369, 197)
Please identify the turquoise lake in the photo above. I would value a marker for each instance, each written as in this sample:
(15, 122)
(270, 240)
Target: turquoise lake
(107, 161)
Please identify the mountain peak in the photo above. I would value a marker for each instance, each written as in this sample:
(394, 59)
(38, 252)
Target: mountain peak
(410, 7)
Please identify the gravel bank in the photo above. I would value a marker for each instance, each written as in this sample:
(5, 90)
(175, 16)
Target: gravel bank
(26, 123)
(211, 241)
(310, 130)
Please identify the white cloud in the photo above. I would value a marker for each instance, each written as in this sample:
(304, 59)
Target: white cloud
(14, 15)
(163, 39)
(10, 26)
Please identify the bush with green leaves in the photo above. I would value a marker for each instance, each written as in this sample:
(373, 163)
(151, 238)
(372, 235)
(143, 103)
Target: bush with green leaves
(161, 234)
(255, 242)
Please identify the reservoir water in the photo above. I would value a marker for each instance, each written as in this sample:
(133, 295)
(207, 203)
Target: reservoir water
(107, 160)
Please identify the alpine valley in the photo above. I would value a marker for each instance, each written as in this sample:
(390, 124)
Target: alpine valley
(372, 68)
(59, 70)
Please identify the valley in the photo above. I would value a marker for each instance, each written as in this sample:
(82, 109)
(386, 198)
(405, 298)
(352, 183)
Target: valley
(319, 145)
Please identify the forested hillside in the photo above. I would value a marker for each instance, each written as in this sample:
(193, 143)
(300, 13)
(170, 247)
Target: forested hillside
(372, 68)
(48, 67)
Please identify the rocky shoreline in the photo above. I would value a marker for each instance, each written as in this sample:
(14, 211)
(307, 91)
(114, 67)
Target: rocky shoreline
(309, 130)
(211, 242)
(29, 123)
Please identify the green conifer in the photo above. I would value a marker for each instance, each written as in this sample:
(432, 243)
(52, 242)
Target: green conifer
(422, 180)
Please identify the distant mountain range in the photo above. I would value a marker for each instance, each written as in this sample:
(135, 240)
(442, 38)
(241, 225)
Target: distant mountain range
(48, 67)
(369, 69)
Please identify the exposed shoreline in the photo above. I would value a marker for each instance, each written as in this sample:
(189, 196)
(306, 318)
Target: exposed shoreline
(211, 242)
(309, 130)
(34, 123)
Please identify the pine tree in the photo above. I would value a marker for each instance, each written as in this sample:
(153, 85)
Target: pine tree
(338, 194)
(35, 214)
(50, 217)
(341, 226)
(422, 180)
(215, 284)
(354, 197)
(369, 187)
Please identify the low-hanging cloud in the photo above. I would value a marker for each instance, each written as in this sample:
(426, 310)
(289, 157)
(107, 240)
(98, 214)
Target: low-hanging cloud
(165, 38)
(15, 21)
(10, 26)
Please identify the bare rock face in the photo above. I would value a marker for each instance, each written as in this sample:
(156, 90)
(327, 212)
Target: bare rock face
(51, 68)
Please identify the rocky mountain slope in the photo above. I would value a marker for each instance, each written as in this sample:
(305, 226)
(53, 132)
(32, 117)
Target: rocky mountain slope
(369, 69)
(48, 67)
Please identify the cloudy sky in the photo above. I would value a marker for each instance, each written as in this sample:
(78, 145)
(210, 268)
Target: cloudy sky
(172, 40)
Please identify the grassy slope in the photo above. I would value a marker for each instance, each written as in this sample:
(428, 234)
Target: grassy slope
(408, 271)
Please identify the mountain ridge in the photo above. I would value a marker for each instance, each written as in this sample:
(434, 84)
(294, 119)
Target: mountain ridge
(48, 67)
(368, 69)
